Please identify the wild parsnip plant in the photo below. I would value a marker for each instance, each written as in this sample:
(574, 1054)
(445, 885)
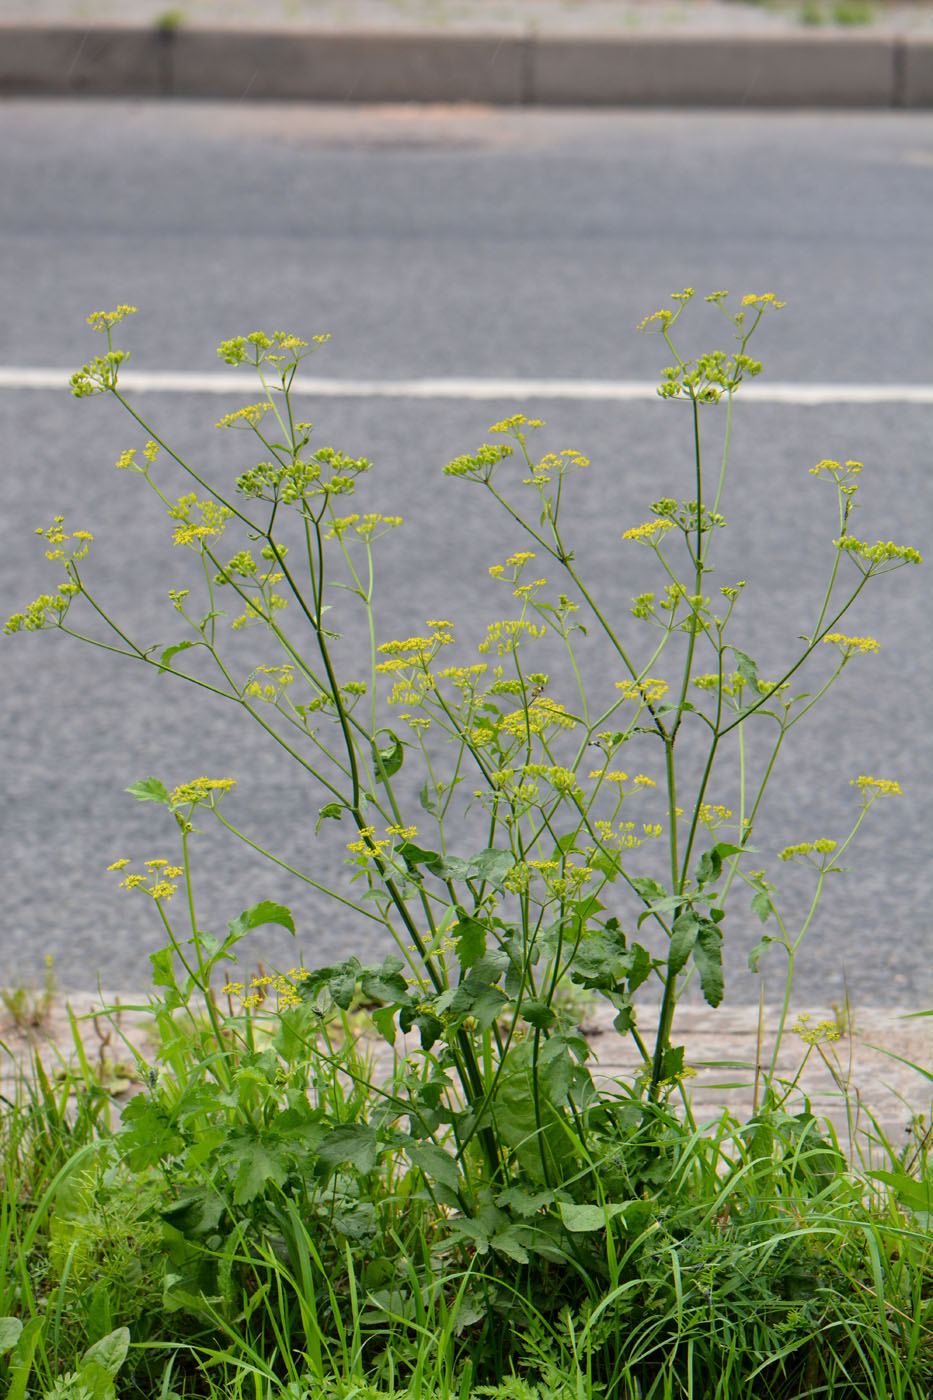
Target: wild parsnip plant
(488, 1184)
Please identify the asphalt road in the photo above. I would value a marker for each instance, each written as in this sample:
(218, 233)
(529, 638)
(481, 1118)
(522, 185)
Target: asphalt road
(468, 244)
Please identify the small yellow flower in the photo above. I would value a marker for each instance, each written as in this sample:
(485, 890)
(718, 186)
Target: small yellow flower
(879, 784)
(763, 300)
(644, 692)
(823, 847)
(513, 425)
(650, 533)
(104, 320)
(201, 789)
(824, 1032)
(849, 646)
(119, 864)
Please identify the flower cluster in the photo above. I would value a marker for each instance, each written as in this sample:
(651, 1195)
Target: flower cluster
(157, 881)
(884, 552)
(506, 636)
(201, 790)
(824, 1032)
(824, 846)
(50, 609)
(650, 533)
(370, 527)
(277, 348)
(876, 785)
(287, 995)
(540, 715)
(643, 692)
(851, 646)
(212, 522)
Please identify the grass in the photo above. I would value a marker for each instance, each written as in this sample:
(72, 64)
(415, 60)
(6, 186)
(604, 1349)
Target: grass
(729, 1258)
(29, 1007)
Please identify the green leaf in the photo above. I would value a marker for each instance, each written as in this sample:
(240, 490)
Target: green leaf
(428, 803)
(350, 1145)
(21, 1359)
(917, 1196)
(538, 1014)
(746, 667)
(163, 968)
(331, 811)
(707, 954)
(606, 864)
(506, 1243)
(641, 969)
(385, 983)
(762, 906)
(256, 1160)
(260, 914)
(588, 1218)
(522, 1202)
(383, 1018)
(110, 1351)
(169, 652)
(10, 1329)
(661, 906)
(149, 790)
(436, 1164)
(709, 867)
(389, 758)
(470, 940)
(94, 1382)
(683, 938)
(429, 1027)
(648, 889)
(493, 866)
(759, 948)
(450, 868)
(476, 996)
(418, 855)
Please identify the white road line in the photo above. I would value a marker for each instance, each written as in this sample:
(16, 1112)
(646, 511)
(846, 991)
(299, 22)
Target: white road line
(607, 390)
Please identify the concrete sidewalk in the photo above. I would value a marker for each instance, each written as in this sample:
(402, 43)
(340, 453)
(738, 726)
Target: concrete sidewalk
(562, 52)
(887, 1084)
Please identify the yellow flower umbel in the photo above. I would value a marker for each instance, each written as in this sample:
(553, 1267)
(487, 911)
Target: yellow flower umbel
(880, 558)
(872, 787)
(651, 533)
(823, 1033)
(852, 646)
(157, 881)
(101, 374)
(644, 692)
(283, 986)
(824, 846)
(212, 522)
(50, 609)
(207, 791)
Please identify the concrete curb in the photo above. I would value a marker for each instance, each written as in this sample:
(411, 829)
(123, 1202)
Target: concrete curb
(872, 70)
(721, 1045)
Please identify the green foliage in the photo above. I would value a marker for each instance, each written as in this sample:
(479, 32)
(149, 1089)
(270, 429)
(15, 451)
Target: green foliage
(270, 1215)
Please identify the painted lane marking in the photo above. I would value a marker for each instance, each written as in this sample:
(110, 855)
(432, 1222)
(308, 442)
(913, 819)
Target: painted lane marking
(604, 390)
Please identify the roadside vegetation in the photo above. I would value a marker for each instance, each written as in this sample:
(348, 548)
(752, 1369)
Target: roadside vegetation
(272, 1217)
